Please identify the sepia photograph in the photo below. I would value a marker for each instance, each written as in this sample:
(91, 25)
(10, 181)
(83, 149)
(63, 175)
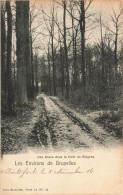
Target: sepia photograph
(61, 90)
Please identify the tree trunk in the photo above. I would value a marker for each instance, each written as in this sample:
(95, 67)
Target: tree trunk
(89, 63)
(102, 51)
(75, 61)
(32, 73)
(115, 51)
(53, 61)
(3, 49)
(62, 70)
(50, 89)
(82, 30)
(31, 63)
(22, 33)
(29, 68)
(36, 73)
(74, 56)
(66, 51)
(54, 68)
(9, 49)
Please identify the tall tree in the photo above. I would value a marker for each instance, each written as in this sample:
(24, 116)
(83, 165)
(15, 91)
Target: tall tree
(9, 49)
(102, 48)
(50, 27)
(118, 24)
(62, 69)
(36, 70)
(74, 39)
(82, 30)
(53, 57)
(82, 19)
(31, 55)
(49, 70)
(66, 50)
(3, 46)
(22, 33)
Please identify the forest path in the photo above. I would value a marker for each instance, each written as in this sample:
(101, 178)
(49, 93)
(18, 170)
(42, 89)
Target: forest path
(66, 129)
(49, 125)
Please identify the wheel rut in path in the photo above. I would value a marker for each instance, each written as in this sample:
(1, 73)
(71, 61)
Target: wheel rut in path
(66, 132)
(40, 136)
(96, 132)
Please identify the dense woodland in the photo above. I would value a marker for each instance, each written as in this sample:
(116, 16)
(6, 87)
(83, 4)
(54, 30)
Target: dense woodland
(44, 52)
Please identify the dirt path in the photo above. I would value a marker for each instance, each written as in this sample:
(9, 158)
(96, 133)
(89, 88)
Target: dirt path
(52, 126)
(68, 129)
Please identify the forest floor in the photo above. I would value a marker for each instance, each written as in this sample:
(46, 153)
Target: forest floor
(48, 124)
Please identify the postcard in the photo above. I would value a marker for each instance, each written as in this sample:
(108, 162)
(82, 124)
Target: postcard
(61, 97)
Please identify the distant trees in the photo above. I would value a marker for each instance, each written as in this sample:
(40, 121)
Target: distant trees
(49, 25)
(118, 24)
(80, 66)
(53, 51)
